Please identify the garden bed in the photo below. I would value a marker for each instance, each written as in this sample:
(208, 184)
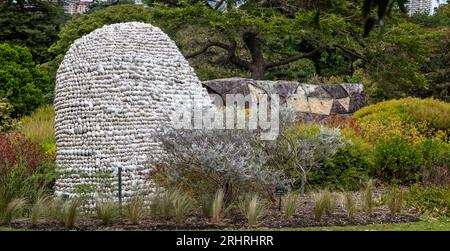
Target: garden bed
(233, 219)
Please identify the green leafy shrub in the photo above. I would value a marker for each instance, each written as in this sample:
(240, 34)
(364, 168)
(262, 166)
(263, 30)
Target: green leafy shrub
(346, 170)
(436, 162)
(23, 84)
(303, 149)
(429, 199)
(6, 121)
(397, 161)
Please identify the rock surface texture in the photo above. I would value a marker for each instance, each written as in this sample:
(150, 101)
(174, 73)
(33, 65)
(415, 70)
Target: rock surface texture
(114, 89)
(311, 102)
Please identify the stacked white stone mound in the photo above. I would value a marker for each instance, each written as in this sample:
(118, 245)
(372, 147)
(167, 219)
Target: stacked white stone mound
(114, 89)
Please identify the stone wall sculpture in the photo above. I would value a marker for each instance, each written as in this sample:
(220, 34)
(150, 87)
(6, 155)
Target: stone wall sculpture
(114, 88)
(311, 102)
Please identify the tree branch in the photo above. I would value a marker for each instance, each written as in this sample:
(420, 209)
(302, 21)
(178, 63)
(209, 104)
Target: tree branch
(206, 46)
(230, 48)
(352, 53)
(295, 58)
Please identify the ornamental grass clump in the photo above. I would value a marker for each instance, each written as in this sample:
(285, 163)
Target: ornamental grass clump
(349, 205)
(106, 211)
(324, 202)
(181, 204)
(252, 208)
(217, 206)
(394, 199)
(55, 207)
(70, 212)
(135, 209)
(289, 204)
(161, 206)
(38, 209)
(11, 209)
(367, 197)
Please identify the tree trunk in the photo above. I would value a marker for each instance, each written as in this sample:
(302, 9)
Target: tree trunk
(257, 72)
(258, 64)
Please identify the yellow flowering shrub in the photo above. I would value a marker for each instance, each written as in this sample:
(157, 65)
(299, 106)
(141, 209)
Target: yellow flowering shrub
(411, 119)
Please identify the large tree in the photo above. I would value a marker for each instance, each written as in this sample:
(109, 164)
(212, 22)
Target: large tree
(284, 40)
(258, 37)
(32, 23)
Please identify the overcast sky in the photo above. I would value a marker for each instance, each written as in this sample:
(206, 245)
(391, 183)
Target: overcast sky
(435, 3)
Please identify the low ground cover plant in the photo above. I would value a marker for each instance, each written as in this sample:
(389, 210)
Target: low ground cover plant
(429, 199)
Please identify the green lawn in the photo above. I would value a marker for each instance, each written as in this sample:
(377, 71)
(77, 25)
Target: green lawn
(425, 224)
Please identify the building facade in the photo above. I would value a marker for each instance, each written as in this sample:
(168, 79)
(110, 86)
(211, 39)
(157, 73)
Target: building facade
(77, 6)
(419, 6)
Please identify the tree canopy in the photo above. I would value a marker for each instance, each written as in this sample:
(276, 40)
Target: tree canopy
(34, 24)
(292, 40)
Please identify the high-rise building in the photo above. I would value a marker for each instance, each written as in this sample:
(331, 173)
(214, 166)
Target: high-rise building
(419, 6)
(77, 6)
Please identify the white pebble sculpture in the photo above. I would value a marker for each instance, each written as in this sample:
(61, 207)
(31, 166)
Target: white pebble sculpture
(115, 87)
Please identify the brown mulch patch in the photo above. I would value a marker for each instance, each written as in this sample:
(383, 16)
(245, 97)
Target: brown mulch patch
(233, 219)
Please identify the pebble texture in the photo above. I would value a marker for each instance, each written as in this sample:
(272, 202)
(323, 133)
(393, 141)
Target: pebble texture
(311, 102)
(115, 87)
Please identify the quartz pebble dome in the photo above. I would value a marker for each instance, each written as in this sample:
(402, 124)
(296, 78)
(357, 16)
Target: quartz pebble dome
(116, 87)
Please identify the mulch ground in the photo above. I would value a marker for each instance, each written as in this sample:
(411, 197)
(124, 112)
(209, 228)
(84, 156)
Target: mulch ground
(233, 219)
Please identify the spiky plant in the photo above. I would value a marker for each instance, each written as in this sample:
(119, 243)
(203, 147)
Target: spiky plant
(367, 197)
(182, 204)
(216, 207)
(39, 208)
(319, 206)
(135, 209)
(106, 211)
(394, 199)
(252, 208)
(349, 205)
(70, 212)
(324, 202)
(290, 204)
(55, 209)
(162, 206)
(11, 210)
